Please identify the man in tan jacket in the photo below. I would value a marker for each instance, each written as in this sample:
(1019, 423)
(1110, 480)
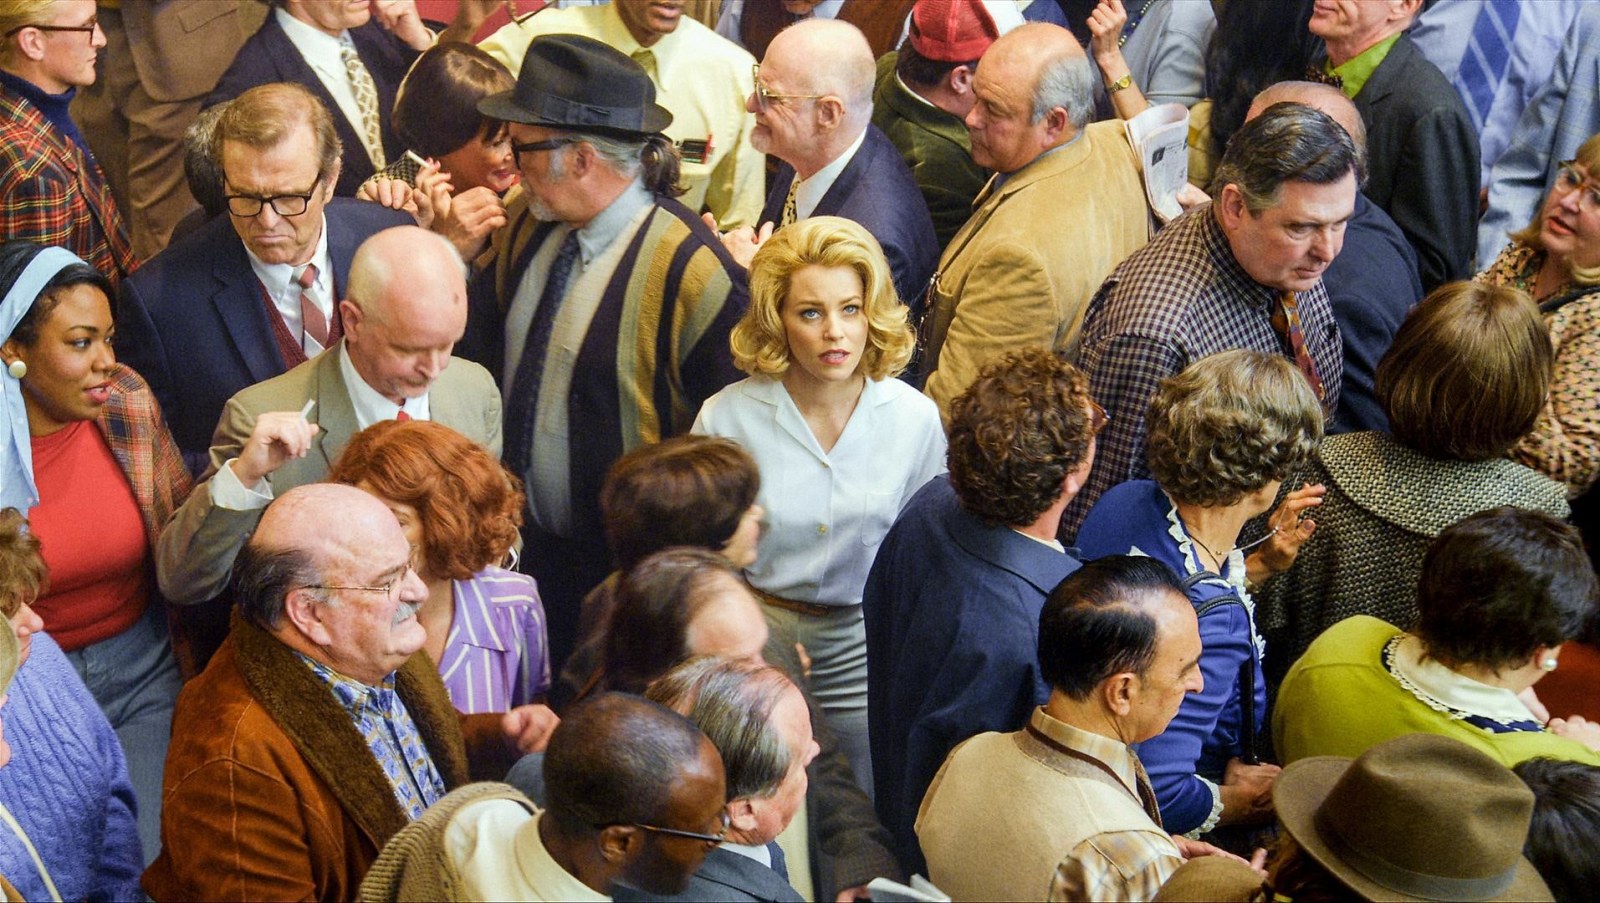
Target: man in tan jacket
(1065, 207)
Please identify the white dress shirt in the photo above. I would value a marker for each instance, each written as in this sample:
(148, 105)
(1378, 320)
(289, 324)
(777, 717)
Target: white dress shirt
(324, 54)
(811, 191)
(827, 512)
(279, 281)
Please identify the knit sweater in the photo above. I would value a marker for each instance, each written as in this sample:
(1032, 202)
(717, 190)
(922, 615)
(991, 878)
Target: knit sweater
(67, 786)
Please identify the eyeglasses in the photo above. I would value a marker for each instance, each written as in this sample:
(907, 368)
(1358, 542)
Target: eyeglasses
(412, 561)
(1098, 418)
(716, 838)
(246, 206)
(88, 28)
(549, 144)
(1569, 179)
(764, 98)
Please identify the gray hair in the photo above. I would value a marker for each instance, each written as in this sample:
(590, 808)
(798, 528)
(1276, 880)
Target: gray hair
(1290, 142)
(655, 157)
(731, 702)
(1229, 424)
(1067, 82)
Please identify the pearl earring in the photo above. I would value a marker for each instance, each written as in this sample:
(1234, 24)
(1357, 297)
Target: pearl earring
(1549, 663)
(17, 368)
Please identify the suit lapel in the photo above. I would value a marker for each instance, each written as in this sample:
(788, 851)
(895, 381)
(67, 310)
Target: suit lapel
(845, 185)
(335, 414)
(239, 304)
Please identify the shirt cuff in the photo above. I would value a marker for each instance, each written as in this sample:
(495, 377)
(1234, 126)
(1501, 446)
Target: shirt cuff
(1216, 810)
(228, 492)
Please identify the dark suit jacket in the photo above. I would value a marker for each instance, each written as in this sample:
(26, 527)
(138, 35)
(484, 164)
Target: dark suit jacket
(725, 877)
(952, 621)
(1372, 285)
(877, 190)
(193, 322)
(270, 57)
(1422, 161)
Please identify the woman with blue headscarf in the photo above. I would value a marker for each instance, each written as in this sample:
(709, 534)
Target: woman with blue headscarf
(85, 455)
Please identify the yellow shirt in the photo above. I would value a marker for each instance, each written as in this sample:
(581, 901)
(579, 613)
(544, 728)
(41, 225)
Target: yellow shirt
(701, 77)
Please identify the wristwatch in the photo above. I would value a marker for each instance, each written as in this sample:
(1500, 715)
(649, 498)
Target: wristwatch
(1120, 83)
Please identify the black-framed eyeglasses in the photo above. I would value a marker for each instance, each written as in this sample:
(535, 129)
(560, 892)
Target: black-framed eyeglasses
(247, 206)
(412, 561)
(518, 150)
(88, 28)
(716, 838)
(764, 98)
(1569, 178)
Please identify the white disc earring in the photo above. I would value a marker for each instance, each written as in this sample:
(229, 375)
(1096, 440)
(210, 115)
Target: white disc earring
(17, 368)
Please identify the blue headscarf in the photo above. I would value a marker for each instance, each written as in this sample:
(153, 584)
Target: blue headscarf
(25, 269)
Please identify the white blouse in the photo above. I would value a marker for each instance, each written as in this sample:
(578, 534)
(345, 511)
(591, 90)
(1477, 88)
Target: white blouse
(827, 512)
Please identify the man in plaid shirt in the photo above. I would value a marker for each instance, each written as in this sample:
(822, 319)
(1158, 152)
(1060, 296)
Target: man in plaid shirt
(1244, 271)
(51, 189)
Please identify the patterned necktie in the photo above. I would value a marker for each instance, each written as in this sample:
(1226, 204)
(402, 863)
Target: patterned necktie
(1286, 320)
(789, 215)
(1147, 794)
(366, 100)
(1317, 73)
(647, 62)
(1488, 55)
(523, 400)
(312, 319)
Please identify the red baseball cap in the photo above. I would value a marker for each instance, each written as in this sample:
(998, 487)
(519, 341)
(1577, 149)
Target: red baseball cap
(952, 31)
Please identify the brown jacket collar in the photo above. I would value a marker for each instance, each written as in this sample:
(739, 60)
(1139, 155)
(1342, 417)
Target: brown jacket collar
(323, 733)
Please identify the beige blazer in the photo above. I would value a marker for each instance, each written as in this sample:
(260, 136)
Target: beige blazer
(1021, 272)
(197, 548)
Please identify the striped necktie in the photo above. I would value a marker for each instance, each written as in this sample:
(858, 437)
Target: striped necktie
(312, 319)
(1488, 55)
(366, 93)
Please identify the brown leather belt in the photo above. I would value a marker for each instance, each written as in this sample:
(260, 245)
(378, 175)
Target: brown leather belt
(804, 608)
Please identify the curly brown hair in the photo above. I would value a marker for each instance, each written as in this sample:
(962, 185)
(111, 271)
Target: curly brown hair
(1015, 434)
(469, 505)
(1229, 424)
(23, 576)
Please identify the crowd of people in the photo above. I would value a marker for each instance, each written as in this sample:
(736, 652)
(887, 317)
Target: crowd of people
(784, 450)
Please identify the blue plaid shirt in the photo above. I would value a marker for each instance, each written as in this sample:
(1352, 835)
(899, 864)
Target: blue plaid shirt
(382, 720)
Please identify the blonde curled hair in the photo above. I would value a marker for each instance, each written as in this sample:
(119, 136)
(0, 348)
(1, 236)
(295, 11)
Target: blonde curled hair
(759, 341)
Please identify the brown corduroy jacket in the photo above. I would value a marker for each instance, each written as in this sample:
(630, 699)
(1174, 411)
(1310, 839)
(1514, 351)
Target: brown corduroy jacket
(270, 793)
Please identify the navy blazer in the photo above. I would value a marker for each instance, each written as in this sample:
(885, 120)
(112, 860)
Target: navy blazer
(269, 56)
(1372, 285)
(193, 322)
(877, 190)
(952, 622)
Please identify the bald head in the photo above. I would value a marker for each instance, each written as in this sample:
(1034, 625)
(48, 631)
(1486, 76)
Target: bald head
(406, 307)
(835, 58)
(1034, 91)
(1325, 98)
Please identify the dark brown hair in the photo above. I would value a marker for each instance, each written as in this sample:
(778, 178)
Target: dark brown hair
(1016, 433)
(1468, 372)
(657, 599)
(683, 491)
(469, 505)
(436, 111)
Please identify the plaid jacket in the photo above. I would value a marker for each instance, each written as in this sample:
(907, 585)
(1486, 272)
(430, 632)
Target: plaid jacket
(52, 193)
(133, 427)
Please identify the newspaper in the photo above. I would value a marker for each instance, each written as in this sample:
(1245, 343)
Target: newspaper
(921, 890)
(1160, 136)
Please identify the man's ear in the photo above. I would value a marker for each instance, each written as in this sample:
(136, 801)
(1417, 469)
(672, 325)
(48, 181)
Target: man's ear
(1231, 206)
(619, 842)
(1055, 124)
(1120, 691)
(30, 43)
(742, 815)
(352, 318)
(302, 609)
(830, 112)
(960, 79)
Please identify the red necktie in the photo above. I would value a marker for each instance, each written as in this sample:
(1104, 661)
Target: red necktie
(402, 416)
(311, 316)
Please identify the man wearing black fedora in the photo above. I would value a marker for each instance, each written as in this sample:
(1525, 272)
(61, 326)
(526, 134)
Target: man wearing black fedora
(607, 309)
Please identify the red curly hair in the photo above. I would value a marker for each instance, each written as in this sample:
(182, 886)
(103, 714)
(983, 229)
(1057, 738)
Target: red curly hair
(469, 505)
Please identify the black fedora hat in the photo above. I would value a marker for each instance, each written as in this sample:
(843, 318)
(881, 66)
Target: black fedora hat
(582, 85)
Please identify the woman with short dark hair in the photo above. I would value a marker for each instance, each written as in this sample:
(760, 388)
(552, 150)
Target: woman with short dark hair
(1499, 593)
(1464, 380)
(1225, 433)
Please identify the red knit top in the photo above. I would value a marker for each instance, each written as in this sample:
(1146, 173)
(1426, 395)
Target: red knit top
(91, 536)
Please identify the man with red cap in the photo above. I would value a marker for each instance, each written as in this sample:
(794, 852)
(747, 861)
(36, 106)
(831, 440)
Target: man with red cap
(924, 91)
(1065, 206)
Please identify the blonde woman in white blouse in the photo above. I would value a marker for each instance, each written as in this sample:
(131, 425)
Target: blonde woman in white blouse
(840, 443)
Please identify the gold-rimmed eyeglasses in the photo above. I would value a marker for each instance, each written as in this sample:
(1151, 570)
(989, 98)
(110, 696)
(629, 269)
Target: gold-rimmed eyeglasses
(764, 98)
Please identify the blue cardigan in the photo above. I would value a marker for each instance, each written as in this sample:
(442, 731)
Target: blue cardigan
(1137, 517)
(67, 786)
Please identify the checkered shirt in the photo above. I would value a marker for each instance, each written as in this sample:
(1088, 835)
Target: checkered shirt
(1174, 301)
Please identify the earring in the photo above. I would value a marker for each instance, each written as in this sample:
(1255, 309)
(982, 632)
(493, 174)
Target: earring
(1548, 663)
(17, 368)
